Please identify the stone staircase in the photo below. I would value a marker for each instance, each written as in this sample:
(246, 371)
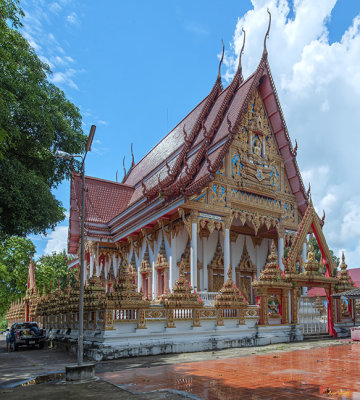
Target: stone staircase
(312, 337)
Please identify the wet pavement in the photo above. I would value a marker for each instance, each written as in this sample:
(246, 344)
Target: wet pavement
(328, 372)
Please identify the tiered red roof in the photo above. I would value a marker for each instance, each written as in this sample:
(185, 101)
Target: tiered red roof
(184, 162)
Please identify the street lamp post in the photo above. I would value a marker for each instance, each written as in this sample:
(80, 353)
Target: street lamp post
(63, 154)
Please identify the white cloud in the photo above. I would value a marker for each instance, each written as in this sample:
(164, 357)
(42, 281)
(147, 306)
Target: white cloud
(102, 122)
(55, 8)
(65, 77)
(73, 19)
(57, 240)
(38, 22)
(319, 88)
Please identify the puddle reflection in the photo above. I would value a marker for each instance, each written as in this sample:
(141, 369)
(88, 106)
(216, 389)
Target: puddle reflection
(331, 372)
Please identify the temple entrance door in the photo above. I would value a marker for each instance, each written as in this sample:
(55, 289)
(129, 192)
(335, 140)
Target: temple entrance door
(313, 315)
(244, 285)
(160, 282)
(218, 282)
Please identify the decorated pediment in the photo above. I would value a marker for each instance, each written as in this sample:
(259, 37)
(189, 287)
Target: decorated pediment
(254, 152)
(145, 266)
(161, 259)
(253, 172)
(245, 264)
(309, 224)
(218, 258)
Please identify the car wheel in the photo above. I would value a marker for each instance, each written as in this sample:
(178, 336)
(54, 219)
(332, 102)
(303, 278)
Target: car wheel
(41, 345)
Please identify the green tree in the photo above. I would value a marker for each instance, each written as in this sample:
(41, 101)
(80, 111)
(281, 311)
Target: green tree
(50, 268)
(318, 256)
(36, 119)
(15, 254)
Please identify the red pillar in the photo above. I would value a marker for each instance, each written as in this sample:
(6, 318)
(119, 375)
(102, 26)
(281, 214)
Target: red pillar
(330, 317)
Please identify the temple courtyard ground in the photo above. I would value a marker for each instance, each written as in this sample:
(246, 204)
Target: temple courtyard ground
(308, 370)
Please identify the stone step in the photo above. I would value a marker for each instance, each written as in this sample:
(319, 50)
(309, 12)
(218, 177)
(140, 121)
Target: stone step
(317, 336)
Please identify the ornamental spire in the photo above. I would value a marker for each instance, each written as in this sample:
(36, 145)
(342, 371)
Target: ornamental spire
(221, 60)
(267, 35)
(239, 68)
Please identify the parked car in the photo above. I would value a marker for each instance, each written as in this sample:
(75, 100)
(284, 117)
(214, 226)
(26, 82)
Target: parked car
(28, 334)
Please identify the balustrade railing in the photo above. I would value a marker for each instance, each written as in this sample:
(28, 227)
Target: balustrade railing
(183, 313)
(125, 315)
(208, 297)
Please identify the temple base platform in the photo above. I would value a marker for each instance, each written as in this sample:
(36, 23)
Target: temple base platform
(108, 345)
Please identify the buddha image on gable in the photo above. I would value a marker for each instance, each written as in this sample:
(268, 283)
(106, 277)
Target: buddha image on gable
(256, 146)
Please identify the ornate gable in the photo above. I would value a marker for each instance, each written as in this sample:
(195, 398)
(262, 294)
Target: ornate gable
(252, 174)
(309, 224)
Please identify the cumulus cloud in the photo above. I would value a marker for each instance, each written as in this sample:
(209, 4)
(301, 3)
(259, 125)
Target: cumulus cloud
(319, 88)
(57, 240)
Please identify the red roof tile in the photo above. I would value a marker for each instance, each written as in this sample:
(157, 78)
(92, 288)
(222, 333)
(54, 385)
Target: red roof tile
(355, 275)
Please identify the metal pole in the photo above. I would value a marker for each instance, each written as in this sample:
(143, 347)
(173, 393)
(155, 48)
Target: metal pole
(80, 354)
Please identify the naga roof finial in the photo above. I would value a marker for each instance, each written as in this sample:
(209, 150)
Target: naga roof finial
(132, 157)
(295, 148)
(222, 58)
(144, 189)
(239, 69)
(308, 193)
(124, 168)
(267, 33)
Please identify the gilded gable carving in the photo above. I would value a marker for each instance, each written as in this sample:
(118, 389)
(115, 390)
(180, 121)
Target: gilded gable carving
(252, 176)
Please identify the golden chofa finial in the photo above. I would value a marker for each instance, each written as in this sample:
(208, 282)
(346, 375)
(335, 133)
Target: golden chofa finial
(222, 58)
(239, 69)
(267, 33)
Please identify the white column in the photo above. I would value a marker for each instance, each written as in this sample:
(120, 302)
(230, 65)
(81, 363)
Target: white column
(139, 280)
(233, 276)
(114, 264)
(154, 281)
(205, 263)
(172, 264)
(91, 265)
(193, 256)
(226, 252)
(281, 251)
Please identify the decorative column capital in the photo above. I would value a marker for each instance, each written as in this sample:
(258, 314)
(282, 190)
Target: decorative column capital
(233, 236)
(228, 221)
(281, 232)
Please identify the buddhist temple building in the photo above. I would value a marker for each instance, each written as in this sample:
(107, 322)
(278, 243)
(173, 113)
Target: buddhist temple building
(206, 235)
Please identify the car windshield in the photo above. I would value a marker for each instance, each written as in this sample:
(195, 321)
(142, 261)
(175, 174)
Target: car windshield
(25, 325)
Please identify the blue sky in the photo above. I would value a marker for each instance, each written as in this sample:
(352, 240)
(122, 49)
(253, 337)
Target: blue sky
(136, 68)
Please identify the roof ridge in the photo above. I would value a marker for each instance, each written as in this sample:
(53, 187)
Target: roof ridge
(107, 181)
(173, 129)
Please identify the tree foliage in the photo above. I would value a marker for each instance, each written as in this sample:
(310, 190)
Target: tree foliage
(36, 119)
(15, 254)
(51, 269)
(318, 256)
